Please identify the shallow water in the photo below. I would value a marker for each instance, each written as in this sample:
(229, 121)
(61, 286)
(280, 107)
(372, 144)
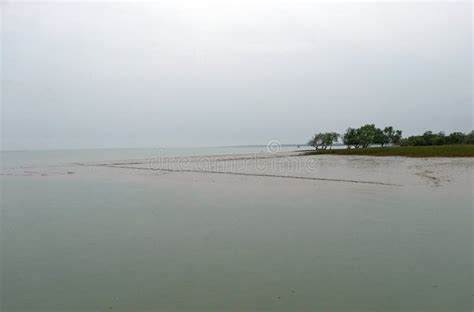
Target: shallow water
(105, 239)
(58, 157)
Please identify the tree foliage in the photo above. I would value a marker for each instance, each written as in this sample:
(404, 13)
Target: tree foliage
(389, 135)
(429, 139)
(469, 138)
(350, 138)
(369, 134)
(323, 140)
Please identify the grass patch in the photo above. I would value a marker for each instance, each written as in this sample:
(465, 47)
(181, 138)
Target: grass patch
(464, 150)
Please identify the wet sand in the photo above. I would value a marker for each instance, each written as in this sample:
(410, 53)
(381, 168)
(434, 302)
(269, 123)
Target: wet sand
(328, 169)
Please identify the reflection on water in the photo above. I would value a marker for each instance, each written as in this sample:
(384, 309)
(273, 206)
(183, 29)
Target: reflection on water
(92, 243)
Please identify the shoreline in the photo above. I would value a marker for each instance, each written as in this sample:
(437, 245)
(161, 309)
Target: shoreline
(257, 168)
(438, 151)
(384, 171)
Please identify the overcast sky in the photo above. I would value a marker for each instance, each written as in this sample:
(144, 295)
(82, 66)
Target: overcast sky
(203, 73)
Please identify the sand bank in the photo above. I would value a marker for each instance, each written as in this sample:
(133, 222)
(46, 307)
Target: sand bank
(386, 171)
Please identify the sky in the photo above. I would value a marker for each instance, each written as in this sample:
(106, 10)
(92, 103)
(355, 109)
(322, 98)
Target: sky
(211, 73)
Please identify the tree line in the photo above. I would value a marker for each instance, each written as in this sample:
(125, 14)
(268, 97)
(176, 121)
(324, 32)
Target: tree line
(429, 138)
(369, 134)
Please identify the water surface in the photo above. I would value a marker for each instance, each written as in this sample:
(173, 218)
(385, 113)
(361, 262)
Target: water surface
(115, 240)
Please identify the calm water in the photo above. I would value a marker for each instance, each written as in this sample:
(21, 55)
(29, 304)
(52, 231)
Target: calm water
(59, 157)
(113, 243)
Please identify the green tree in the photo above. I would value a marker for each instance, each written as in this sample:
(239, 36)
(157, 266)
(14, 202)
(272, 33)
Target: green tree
(351, 138)
(389, 135)
(456, 138)
(367, 134)
(323, 140)
(316, 141)
(431, 138)
(439, 139)
(381, 137)
(330, 138)
(395, 139)
(469, 138)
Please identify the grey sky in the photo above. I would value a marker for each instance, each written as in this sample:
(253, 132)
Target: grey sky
(200, 73)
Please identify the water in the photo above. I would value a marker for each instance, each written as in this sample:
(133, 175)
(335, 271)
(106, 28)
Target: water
(55, 157)
(100, 241)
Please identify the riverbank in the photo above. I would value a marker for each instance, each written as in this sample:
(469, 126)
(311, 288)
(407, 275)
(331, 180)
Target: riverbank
(466, 150)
